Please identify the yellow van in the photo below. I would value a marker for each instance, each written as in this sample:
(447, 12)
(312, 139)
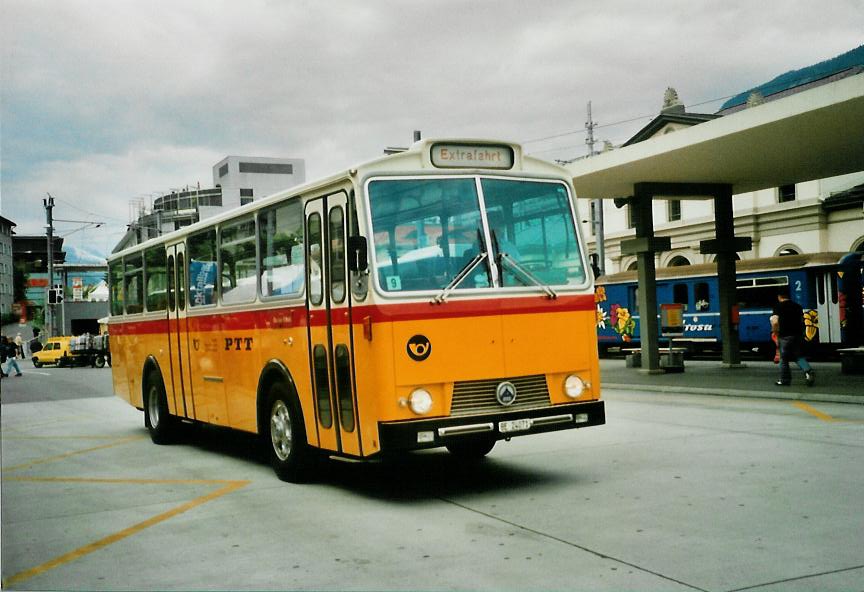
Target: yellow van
(56, 351)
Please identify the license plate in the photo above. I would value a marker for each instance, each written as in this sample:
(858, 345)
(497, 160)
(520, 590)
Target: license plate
(514, 425)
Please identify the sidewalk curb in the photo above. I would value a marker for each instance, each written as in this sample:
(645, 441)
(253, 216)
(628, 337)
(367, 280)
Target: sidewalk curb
(786, 396)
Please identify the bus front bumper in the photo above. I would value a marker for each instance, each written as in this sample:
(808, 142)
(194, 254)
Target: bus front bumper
(431, 433)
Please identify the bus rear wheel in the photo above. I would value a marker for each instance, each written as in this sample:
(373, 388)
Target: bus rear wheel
(290, 455)
(471, 448)
(157, 419)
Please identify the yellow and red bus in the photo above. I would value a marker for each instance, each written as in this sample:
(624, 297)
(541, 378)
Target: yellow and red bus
(437, 297)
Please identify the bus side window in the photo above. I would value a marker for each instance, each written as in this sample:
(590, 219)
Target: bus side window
(280, 248)
(202, 268)
(315, 234)
(342, 361)
(337, 255)
(237, 261)
(181, 282)
(681, 295)
(702, 296)
(155, 278)
(171, 300)
(115, 275)
(322, 386)
(134, 283)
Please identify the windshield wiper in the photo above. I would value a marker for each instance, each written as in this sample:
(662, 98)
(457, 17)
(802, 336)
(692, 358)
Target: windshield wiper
(515, 265)
(457, 279)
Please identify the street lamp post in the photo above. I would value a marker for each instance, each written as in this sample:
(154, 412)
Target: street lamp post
(49, 309)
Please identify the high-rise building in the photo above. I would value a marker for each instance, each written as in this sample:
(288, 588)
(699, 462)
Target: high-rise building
(237, 180)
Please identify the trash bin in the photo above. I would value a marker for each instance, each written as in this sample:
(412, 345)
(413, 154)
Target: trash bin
(672, 361)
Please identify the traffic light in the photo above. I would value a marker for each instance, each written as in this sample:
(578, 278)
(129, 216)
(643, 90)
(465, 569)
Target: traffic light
(55, 295)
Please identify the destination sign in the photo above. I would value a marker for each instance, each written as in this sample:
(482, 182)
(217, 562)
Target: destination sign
(450, 156)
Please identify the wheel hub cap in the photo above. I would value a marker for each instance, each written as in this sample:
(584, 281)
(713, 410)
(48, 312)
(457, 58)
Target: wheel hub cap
(280, 430)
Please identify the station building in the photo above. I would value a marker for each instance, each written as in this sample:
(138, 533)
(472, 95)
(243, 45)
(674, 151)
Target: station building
(815, 216)
(237, 180)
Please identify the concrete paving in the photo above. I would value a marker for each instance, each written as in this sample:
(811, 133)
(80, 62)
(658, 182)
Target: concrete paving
(753, 379)
(676, 492)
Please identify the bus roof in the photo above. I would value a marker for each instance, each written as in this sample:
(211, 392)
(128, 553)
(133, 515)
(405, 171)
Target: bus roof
(741, 266)
(442, 155)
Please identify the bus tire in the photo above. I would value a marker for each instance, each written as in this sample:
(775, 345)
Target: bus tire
(471, 449)
(157, 419)
(99, 362)
(285, 435)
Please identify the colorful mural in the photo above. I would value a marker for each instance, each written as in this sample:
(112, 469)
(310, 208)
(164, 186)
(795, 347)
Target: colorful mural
(625, 324)
(811, 324)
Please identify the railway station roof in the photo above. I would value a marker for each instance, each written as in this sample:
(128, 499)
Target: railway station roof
(813, 134)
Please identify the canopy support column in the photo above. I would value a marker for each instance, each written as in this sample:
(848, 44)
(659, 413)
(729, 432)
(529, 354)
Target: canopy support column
(725, 246)
(645, 245)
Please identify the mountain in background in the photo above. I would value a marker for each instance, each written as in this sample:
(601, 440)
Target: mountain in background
(795, 78)
(79, 255)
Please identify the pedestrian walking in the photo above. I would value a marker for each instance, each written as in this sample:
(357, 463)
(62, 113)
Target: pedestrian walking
(19, 346)
(787, 323)
(8, 352)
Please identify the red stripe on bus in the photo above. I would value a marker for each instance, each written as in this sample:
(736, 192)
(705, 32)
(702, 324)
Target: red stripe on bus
(295, 316)
(475, 308)
(281, 318)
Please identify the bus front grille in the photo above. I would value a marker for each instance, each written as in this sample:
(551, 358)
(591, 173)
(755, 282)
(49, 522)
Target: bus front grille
(478, 396)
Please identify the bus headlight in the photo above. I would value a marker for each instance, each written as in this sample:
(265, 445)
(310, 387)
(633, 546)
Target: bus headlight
(420, 401)
(574, 386)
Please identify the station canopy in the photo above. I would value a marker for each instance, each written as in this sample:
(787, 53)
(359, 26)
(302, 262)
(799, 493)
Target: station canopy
(813, 134)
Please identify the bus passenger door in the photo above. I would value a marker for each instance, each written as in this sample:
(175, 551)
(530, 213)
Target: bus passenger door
(329, 315)
(178, 341)
(828, 306)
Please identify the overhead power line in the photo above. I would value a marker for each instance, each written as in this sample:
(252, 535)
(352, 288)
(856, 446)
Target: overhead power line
(614, 123)
(89, 213)
(585, 129)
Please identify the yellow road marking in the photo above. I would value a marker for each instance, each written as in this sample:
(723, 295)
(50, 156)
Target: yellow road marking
(104, 480)
(229, 486)
(65, 418)
(42, 461)
(814, 412)
(60, 438)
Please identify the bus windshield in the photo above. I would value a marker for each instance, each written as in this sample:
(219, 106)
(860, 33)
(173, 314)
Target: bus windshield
(429, 234)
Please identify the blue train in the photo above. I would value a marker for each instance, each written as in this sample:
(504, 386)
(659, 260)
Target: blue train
(827, 285)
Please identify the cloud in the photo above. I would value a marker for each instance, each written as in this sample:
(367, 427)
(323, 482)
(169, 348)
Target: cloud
(105, 188)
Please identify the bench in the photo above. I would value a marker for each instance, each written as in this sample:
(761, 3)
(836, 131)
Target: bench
(851, 360)
(671, 360)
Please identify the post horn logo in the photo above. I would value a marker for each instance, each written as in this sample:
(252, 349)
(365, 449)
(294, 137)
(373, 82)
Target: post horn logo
(506, 393)
(419, 348)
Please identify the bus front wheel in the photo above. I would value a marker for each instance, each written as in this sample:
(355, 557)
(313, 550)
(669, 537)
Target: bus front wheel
(290, 455)
(471, 448)
(156, 416)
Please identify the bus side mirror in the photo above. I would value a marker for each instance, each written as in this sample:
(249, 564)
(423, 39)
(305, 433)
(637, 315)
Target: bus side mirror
(358, 254)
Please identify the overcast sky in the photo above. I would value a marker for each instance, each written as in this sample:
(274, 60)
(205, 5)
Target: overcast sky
(108, 101)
